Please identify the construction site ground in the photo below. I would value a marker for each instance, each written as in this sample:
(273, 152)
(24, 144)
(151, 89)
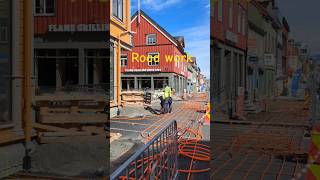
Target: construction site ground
(267, 145)
(143, 124)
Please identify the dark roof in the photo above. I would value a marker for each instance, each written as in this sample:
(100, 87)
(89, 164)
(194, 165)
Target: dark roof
(161, 28)
(285, 24)
(180, 39)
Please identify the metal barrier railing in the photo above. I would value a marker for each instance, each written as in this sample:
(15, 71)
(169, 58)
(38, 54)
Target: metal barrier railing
(158, 159)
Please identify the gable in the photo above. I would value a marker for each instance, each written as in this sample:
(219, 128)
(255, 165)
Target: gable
(148, 26)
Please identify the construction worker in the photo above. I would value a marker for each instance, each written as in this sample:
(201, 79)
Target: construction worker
(167, 93)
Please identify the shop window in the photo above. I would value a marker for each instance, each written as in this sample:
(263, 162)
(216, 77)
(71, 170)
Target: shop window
(5, 65)
(127, 83)
(124, 60)
(144, 82)
(159, 82)
(44, 7)
(3, 30)
(153, 59)
(117, 9)
(151, 39)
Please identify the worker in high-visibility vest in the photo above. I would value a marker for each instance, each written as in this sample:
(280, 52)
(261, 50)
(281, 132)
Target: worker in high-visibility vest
(167, 93)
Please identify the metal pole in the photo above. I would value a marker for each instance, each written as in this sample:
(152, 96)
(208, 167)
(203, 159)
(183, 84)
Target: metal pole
(27, 85)
(118, 74)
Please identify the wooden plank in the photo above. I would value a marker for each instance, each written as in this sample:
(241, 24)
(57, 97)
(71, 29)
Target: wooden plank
(49, 128)
(114, 136)
(95, 130)
(64, 134)
(73, 118)
(9, 136)
(46, 140)
(66, 97)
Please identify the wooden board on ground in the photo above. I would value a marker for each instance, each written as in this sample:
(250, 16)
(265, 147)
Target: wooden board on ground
(44, 127)
(53, 118)
(95, 130)
(114, 136)
(61, 139)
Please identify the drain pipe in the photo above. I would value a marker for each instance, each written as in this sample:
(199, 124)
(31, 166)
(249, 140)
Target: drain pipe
(27, 83)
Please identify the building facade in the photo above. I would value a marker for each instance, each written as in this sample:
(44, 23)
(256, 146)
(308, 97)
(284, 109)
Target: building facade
(155, 59)
(193, 71)
(285, 39)
(70, 52)
(120, 40)
(229, 36)
(255, 55)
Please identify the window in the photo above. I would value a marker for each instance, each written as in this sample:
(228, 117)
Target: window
(45, 7)
(239, 19)
(243, 22)
(124, 60)
(230, 13)
(3, 30)
(153, 59)
(220, 8)
(151, 39)
(117, 9)
(5, 64)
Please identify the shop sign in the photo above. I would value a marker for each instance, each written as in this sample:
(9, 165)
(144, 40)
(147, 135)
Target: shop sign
(142, 70)
(78, 27)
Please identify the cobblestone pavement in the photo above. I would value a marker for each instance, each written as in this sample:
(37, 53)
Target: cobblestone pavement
(268, 145)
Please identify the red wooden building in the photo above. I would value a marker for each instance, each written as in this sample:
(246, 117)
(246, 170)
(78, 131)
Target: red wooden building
(70, 43)
(151, 39)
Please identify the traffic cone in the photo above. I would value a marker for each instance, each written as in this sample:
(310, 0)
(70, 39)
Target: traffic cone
(313, 171)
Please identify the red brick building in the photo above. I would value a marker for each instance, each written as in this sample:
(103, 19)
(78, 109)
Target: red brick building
(150, 39)
(228, 49)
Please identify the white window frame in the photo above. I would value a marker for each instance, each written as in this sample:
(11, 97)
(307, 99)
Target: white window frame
(45, 8)
(124, 58)
(153, 42)
(116, 14)
(153, 63)
(5, 29)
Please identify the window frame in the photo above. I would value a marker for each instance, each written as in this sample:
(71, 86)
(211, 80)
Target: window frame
(5, 28)
(124, 60)
(116, 13)
(10, 123)
(45, 8)
(155, 39)
(157, 63)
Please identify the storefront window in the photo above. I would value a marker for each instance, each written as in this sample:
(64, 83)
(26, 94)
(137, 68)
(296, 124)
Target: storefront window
(5, 63)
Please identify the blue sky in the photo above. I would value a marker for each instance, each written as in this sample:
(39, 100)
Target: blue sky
(188, 18)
